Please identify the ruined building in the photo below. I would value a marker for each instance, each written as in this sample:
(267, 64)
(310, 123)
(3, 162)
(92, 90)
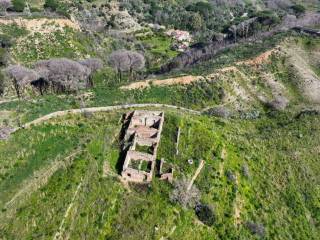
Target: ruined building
(143, 136)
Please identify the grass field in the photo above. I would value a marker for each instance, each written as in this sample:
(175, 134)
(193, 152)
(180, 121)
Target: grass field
(278, 190)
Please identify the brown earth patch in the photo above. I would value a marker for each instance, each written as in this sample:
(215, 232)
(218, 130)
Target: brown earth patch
(262, 58)
(42, 25)
(170, 81)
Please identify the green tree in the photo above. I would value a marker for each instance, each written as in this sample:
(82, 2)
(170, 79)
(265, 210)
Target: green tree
(52, 4)
(195, 22)
(298, 9)
(19, 5)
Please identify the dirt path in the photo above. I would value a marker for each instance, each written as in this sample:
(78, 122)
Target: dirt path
(262, 58)
(237, 205)
(201, 165)
(105, 109)
(8, 100)
(59, 233)
(157, 82)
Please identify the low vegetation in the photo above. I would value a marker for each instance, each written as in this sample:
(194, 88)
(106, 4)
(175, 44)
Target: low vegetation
(225, 145)
(246, 163)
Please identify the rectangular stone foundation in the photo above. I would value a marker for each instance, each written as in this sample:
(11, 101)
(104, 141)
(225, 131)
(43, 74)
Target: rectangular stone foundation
(144, 131)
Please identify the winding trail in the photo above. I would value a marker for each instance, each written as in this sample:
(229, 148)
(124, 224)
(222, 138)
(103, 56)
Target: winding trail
(104, 109)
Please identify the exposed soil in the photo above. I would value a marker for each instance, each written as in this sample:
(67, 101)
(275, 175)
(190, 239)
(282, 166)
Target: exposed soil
(262, 58)
(170, 81)
(309, 82)
(42, 25)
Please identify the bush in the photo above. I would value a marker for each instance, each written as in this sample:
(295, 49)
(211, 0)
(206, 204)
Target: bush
(2, 85)
(220, 111)
(205, 214)
(245, 170)
(231, 176)
(256, 228)
(52, 4)
(5, 41)
(278, 104)
(3, 56)
(59, 7)
(18, 5)
(298, 9)
(182, 196)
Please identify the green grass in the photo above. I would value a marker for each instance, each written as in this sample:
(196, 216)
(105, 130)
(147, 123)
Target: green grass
(159, 46)
(280, 192)
(66, 43)
(13, 30)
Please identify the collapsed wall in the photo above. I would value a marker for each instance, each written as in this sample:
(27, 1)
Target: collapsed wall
(143, 135)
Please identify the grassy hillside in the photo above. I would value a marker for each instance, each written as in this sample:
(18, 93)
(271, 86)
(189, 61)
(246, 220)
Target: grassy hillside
(257, 123)
(262, 171)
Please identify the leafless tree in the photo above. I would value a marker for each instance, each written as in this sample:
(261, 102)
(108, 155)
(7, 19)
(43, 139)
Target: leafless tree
(64, 75)
(119, 61)
(93, 64)
(137, 61)
(126, 61)
(5, 4)
(21, 77)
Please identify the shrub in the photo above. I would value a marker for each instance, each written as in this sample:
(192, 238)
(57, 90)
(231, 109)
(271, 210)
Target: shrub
(245, 170)
(256, 228)
(3, 56)
(2, 84)
(231, 176)
(220, 111)
(278, 104)
(52, 4)
(182, 196)
(18, 5)
(5, 41)
(298, 9)
(58, 6)
(205, 214)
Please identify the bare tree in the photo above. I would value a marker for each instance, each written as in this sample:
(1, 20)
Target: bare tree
(21, 77)
(64, 74)
(126, 61)
(137, 62)
(93, 64)
(4, 5)
(119, 60)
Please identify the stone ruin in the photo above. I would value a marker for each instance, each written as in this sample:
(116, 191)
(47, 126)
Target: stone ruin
(142, 138)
